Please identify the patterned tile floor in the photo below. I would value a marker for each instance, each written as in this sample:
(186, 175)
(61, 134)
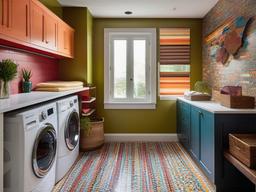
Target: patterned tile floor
(135, 167)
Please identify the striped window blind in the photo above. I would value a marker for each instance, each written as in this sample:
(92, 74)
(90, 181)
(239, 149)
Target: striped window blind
(174, 61)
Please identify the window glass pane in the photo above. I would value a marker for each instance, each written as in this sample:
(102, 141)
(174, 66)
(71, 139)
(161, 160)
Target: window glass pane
(120, 47)
(139, 60)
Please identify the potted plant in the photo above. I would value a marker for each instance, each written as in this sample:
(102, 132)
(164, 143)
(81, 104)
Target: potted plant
(26, 84)
(202, 87)
(91, 133)
(8, 71)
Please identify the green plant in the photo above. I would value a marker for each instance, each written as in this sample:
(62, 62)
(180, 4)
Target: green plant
(85, 125)
(26, 74)
(201, 86)
(8, 70)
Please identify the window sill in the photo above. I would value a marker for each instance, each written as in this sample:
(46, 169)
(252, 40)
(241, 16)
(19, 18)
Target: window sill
(170, 97)
(129, 106)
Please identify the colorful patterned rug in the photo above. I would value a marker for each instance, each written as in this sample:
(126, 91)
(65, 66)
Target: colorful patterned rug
(135, 167)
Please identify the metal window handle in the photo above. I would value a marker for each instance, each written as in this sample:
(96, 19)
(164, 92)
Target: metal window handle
(131, 79)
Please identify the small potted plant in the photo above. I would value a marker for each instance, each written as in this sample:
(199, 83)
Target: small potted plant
(26, 84)
(91, 133)
(8, 71)
(202, 87)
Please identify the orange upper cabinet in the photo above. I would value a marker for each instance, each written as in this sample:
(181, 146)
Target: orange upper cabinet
(37, 24)
(43, 27)
(30, 24)
(15, 19)
(65, 39)
(1, 15)
(51, 31)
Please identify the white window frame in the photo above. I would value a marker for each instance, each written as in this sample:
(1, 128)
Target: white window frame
(150, 102)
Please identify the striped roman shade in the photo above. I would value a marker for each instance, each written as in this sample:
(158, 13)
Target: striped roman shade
(175, 51)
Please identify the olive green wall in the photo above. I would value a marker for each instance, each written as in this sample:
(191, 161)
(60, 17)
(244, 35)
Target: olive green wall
(89, 48)
(79, 68)
(163, 118)
(54, 6)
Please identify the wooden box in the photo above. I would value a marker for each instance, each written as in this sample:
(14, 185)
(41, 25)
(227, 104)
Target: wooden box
(198, 97)
(237, 102)
(243, 147)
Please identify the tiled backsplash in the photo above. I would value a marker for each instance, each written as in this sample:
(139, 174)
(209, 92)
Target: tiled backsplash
(43, 68)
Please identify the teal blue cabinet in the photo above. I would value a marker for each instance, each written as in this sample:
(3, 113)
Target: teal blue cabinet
(183, 126)
(195, 133)
(202, 139)
(207, 143)
(205, 136)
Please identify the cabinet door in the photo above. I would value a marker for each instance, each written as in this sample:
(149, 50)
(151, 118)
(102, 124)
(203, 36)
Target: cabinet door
(68, 41)
(184, 124)
(65, 39)
(1, 15)
(16, 19)
(180, 123)
(37, 25)
(50, 23)
(5, 9)
(195, 132)
(207, 142)
(179, 120)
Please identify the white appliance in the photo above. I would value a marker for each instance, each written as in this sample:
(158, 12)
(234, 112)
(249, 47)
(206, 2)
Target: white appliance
(30, 142)
(69, 131)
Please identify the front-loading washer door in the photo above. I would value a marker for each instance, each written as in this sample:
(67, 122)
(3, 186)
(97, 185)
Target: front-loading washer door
(44, 150)
(72, 130)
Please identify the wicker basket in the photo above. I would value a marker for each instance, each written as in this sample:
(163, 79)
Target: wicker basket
(96, 137)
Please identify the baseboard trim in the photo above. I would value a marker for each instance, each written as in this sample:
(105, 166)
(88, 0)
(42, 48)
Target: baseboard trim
(127, 137)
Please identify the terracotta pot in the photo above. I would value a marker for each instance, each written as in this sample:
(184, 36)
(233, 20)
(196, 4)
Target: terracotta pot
(95, 138)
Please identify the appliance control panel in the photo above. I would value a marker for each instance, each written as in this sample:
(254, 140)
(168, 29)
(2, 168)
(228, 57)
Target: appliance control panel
(45, 114)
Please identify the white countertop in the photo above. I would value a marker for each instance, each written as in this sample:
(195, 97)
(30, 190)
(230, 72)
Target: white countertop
(215, 107)
(26, 99)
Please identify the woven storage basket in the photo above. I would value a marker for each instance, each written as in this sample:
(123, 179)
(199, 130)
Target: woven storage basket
(95, 138)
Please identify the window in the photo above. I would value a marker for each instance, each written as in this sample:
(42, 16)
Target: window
(174, 77)
(130, 68)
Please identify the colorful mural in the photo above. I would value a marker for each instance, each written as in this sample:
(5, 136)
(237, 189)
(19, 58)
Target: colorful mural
(226, 41)
(233, 43)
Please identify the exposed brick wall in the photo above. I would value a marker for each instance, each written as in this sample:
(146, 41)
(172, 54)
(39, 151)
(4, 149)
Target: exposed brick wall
(240, 71)
(43, 68)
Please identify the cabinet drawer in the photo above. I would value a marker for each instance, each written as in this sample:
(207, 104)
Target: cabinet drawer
(242, 146)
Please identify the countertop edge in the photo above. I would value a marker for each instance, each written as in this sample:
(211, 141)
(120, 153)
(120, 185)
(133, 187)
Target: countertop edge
(51, 96)
(225, 110)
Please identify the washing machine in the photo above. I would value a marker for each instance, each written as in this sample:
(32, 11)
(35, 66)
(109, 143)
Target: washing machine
(69, 132)
(30, 145)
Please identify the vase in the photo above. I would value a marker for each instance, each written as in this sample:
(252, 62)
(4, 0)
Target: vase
(26, 86)
(4, 89)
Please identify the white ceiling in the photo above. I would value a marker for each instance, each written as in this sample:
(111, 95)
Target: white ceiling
(144, 8)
